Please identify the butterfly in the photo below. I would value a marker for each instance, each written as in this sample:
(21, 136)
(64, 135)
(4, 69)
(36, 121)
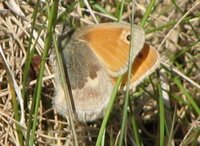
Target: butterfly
(94, 56)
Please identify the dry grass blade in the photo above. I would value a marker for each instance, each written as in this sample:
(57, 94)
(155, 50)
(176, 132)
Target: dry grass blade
(91, 12)
(16, 87)
(175, 70)
(14, 7)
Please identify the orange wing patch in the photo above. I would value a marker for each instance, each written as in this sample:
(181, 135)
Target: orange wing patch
(144, 64)
(109, 46)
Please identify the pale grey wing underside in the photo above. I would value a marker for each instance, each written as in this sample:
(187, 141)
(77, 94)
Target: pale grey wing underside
(90, 84)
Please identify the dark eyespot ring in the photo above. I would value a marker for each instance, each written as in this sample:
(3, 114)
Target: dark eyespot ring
(128, 37)
(140, 55)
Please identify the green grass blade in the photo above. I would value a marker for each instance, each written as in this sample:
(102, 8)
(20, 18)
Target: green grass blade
(121, 9)
(135, 130)
(48, 42)
(126, 100)
(108, 110)
(30, 53)
(161, 116)
(65, 89)
(101, 9)
(147, 13)
(188, 96)
(16, 114)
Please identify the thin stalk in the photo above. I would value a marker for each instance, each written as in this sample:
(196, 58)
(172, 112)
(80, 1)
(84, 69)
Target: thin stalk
(126, 100)
(48, 42)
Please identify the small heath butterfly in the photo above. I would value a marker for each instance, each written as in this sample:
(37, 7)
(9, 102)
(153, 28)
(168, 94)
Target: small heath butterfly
(94, 56)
